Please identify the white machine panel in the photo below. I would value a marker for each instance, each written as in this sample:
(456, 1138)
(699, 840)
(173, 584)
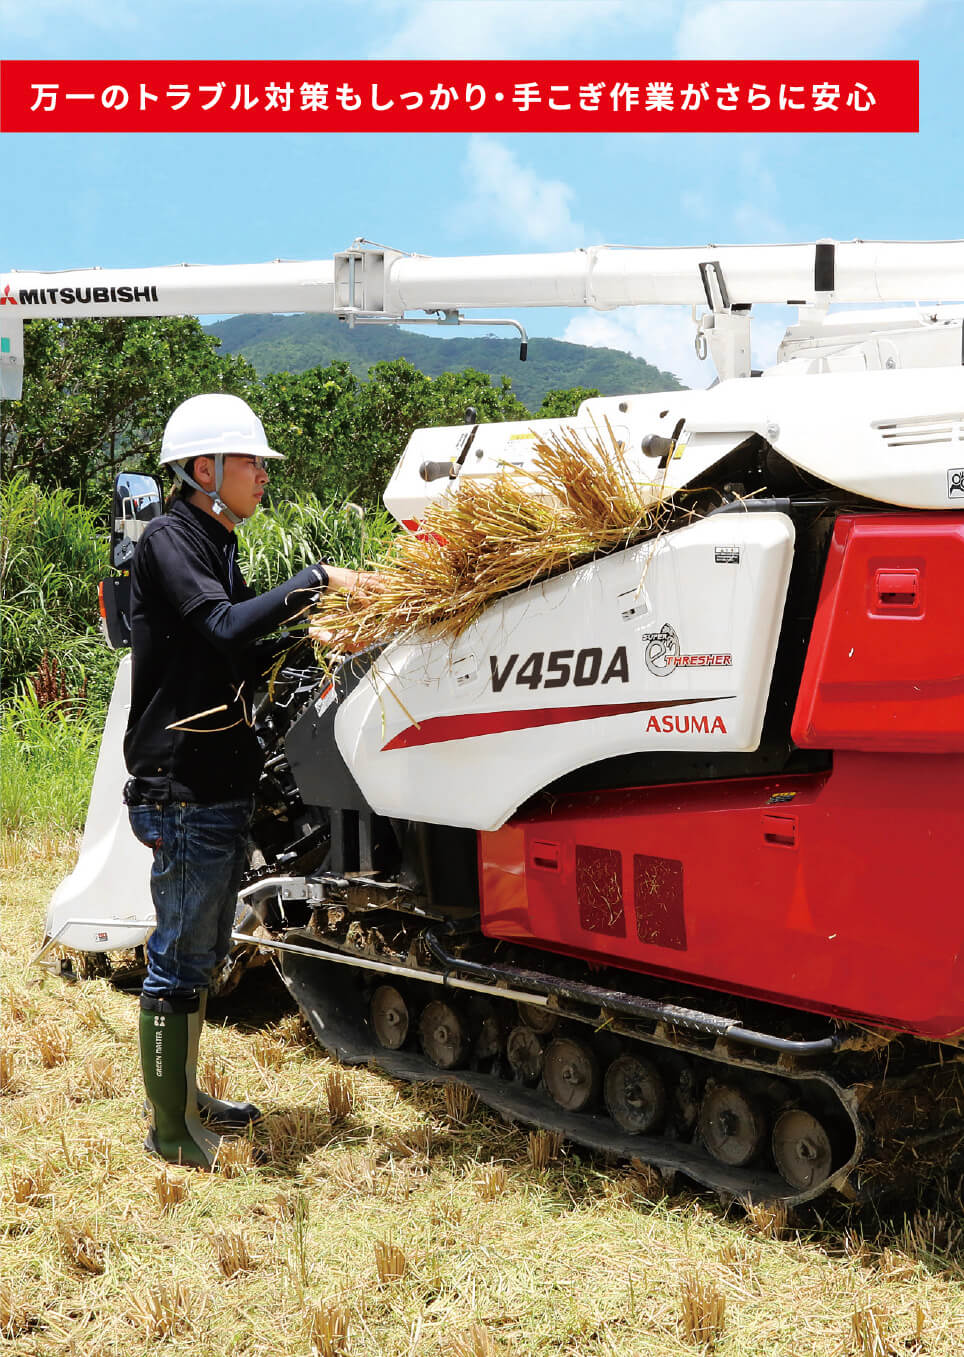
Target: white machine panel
(666, 646)
(493, 446)
(893, 436)
(105, 904)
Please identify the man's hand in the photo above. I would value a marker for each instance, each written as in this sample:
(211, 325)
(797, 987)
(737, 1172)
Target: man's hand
(361, 585)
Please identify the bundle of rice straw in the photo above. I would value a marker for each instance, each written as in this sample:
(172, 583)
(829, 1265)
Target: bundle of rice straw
(577, 500)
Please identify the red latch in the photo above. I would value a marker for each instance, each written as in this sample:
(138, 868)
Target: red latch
(897, 590)
(545, 856)
(780, 829)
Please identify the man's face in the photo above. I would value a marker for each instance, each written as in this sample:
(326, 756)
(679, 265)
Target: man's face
(243, 484)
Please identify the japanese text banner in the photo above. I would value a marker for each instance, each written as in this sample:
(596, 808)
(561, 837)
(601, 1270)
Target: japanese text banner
(458, 96)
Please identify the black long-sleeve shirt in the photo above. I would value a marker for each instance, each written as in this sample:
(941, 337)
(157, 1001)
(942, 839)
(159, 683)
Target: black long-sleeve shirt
(194, 621)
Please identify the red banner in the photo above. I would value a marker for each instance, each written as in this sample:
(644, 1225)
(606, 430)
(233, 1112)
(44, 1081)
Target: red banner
(458, 96)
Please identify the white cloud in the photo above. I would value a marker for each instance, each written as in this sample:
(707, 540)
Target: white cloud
(514, 200)
(510, 29)
(772, 29)
(39, 17)
(665, 336)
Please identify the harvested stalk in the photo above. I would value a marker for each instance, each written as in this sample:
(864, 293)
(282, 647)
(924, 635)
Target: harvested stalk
(578, 499)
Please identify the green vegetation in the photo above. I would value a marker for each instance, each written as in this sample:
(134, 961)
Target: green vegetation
(53, 551)
(342, 438)
(294, 343)
(296, 533)
(47, 759)
(98, 392)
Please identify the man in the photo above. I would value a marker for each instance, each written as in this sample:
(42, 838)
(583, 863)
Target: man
(190, 747)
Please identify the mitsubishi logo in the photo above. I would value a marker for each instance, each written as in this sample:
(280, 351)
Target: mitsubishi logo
(7, 296)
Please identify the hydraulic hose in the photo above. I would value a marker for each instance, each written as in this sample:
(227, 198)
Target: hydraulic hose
(628, 1005)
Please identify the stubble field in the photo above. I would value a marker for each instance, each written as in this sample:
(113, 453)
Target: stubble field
(368, 1217)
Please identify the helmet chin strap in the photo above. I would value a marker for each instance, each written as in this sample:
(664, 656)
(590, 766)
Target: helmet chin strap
(217, 503)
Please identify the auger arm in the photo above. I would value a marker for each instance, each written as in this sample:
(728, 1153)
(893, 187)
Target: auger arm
(369, 283)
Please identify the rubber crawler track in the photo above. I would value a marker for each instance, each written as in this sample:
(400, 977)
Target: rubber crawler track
(333, 1000)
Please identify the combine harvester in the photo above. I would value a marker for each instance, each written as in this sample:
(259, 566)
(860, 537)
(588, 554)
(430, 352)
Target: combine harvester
(663, 853)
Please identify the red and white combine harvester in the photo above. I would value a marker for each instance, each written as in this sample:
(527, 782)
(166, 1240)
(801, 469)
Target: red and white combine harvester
(664, 853)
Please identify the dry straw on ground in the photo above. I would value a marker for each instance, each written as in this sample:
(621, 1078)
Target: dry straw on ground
(235, 1156)
(340, 1093)
(17, 1315)
(329, 1328)
(544, 1147)
(552, 1262)
(80, 1247)
(30, 1185)
(475, 1341)
(702, 1312)
(870, 1326)
(234, 1253)
(163, 1311)
(579, 498)
(492, 1181)
(103, 1078)
(767, 1219)
(53, 1043)
(390, 1262)
(460, 1102)
(213, 1077)
(8, 1080)
(170, 1190)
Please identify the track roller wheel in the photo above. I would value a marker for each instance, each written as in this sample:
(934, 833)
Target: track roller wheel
(444, 1035)
(731, 1125)
(570, 1072)
(389, 1017)
(685, 1102)
(634, 1094)
(537, 1016)
(801, 1149)
(524, 1053)
(488, 1042)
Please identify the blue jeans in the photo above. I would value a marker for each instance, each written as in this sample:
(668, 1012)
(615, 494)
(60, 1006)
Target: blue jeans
(199, 859)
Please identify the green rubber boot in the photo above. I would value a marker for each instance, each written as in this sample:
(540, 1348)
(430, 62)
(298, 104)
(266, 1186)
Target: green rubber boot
(169, 1041)
(219, 1113)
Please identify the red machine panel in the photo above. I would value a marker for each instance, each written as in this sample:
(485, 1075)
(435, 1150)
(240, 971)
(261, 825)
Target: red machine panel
(885, 665)
(834, 892)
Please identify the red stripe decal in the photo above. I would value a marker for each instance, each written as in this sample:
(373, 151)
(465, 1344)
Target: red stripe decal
(441, 729)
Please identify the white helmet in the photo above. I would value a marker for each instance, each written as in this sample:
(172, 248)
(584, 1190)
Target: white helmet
(212, 426)
(205, 426)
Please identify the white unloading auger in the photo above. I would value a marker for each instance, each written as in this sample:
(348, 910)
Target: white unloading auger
(370, 284)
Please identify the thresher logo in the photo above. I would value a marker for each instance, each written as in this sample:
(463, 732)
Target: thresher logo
(955, 482)
(661, 651)
(7, 296)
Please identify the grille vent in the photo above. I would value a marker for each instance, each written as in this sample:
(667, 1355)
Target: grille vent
(921, 430)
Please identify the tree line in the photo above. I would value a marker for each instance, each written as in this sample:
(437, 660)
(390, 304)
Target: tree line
(97, 394)
(96, 397)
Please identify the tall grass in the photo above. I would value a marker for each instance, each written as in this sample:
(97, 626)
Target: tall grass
(53, 550)
(47, 758)
(296, 533)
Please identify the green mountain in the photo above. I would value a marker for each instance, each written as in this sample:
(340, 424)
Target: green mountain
(294, 343)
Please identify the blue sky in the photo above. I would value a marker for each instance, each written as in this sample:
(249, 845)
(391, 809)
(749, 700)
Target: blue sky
(146, 200)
